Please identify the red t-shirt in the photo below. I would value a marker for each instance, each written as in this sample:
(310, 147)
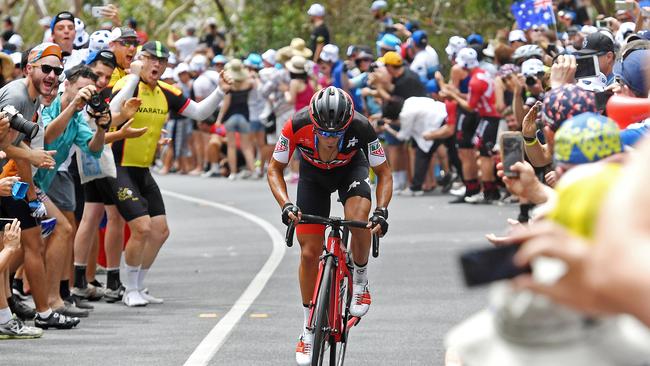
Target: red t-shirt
(481, 93)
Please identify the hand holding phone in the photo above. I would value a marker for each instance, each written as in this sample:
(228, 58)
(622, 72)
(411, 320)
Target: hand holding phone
(587, 66)
(512, 151)
(482, 266)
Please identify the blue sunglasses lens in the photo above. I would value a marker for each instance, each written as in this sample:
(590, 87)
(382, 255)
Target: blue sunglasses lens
(331, 134)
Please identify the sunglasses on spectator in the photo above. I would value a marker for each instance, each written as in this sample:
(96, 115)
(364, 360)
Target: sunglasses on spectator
(129, 42)
(48, 69)
(337, 134)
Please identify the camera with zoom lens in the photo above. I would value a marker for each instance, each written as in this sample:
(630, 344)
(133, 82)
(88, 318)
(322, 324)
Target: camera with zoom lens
(19, 123)
(97, 104)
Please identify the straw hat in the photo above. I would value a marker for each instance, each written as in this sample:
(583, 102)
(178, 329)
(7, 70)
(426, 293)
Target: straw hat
(7, 65)
(297, 65)
(235, 68)
(283, 55)
(299, 48)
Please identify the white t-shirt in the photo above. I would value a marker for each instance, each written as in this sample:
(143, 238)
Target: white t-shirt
(185, 46)
(205, 84)
(76, 57)
(420, 115)
(425, 63)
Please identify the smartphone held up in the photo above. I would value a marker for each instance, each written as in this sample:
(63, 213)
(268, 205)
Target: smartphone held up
(512, 151)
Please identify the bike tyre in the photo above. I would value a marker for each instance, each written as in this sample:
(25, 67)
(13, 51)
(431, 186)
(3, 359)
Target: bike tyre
(321, 336)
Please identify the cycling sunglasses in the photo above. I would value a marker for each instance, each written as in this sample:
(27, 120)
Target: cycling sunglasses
(337, 134)
(48, 69)
(129, 42)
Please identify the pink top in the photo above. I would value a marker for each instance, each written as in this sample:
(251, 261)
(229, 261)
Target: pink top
(304, 97)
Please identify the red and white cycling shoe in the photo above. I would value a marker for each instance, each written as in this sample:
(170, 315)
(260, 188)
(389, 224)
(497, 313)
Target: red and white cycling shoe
(360, 299)
(304, 348)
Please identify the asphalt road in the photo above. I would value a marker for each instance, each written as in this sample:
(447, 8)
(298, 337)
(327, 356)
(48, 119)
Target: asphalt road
(213, 255)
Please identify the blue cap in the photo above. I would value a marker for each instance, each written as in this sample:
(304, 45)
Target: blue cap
(475, 38)
(390, 42)
(412, 25)
(633, 71)
(219, 59)
(254, 60)
(586, 138)
(432, 86)
(420, 38)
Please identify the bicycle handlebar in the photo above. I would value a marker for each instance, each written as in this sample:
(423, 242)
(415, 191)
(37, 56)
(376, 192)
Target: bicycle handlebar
(331, 221)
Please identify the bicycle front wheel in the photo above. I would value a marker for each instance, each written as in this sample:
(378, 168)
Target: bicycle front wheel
(321, 322)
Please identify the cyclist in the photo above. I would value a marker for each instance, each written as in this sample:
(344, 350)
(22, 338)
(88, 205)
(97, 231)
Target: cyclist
(330, 135)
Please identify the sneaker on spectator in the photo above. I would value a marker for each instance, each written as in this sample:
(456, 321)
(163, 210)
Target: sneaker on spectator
(16, 329)
(99, 290)
(20, 293)
(475, 198)
(20, 308)
(116, 295)
(100, 270)
(211, 174)
(446, 182)
(68, 309)
(132, 298)
(151, 299)
(244, 174)
(79, 302)
(232, 176)
(408, 192)
(459, 192)
(56, 320)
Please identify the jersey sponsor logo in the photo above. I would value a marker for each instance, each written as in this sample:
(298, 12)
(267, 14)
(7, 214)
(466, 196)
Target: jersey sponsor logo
(282, 145)
(376, 149)
(352, 142)
(151, 110)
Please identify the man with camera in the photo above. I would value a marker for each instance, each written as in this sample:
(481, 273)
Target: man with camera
(65, 125)
(42, 71)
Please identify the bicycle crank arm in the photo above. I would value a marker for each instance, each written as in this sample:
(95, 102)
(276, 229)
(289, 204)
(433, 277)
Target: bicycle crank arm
(353, 321)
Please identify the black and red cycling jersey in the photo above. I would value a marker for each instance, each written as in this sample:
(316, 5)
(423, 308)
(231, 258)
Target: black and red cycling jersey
(299, 132)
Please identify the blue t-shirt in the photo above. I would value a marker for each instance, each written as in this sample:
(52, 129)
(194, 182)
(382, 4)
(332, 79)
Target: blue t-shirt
(77, 132)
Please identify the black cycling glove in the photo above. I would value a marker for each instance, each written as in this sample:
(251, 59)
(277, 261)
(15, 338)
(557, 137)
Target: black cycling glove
(286, 209)
(379, 218)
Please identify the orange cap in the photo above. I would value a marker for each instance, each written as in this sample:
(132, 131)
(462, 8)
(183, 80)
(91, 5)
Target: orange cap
(43, 50)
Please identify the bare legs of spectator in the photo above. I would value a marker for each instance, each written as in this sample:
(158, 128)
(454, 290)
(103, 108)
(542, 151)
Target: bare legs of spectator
(113, 245)
(199, 141)
(397, 157)
(59, 245)
(232, 152)
(34, 253)
(470, 171)
(248, 149)
(86, 236)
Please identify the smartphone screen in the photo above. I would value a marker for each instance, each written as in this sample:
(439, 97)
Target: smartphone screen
(602, 24)
(482, 266)
(512, 151)
(624, 5)
(587, 66)
(97, 11)
(4, 221)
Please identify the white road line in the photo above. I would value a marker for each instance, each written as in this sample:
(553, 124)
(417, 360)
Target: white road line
(218, 335)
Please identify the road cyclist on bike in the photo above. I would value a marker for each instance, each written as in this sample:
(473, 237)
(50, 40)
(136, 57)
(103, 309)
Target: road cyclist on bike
(330, 135)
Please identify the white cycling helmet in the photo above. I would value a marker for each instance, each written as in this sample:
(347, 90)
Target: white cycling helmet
(455, 44)
(99, 40)
(528, 51)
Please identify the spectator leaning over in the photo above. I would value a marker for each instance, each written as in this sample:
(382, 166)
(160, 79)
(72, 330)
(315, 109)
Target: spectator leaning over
(65, 127)
(235, 116)
(482, 99)
(99, 198)
(320, 35)
(425, 63)
(423, 120)
(136, 193)
(63, 34)
(43, 65)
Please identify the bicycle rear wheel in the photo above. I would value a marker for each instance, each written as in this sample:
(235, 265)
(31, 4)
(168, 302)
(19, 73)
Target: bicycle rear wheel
(321, 321)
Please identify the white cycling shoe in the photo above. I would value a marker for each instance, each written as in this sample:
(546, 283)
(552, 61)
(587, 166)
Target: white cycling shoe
(150, 299)
(304, 348)
(360, 299)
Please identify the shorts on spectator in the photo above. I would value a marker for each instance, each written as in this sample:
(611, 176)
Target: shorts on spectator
(256, 126)
(62, 193)
(18, 209)
(237, 123)
(99, 191)
(466, 129)
(181, 132)
(486, 135)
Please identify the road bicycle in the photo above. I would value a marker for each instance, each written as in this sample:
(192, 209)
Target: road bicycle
(329, 315)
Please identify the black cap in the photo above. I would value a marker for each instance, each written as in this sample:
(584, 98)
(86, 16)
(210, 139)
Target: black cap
(573, 29)
(598, 43)
(156, 49)
(64, 15)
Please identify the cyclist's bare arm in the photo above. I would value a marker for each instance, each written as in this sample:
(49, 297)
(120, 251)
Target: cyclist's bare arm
(384, 184)
(275, 177)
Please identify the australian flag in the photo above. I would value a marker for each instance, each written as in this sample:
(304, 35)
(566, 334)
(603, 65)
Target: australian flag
(530, 13)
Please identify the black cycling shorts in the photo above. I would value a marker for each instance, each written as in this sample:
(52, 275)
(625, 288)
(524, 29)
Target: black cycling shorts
(315, 187)
(466, 128)
(99, 191)
(136, 193)
(18, 209)
(486, 135)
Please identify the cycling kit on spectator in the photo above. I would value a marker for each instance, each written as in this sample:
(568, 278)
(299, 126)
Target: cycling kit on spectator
(483, 99)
